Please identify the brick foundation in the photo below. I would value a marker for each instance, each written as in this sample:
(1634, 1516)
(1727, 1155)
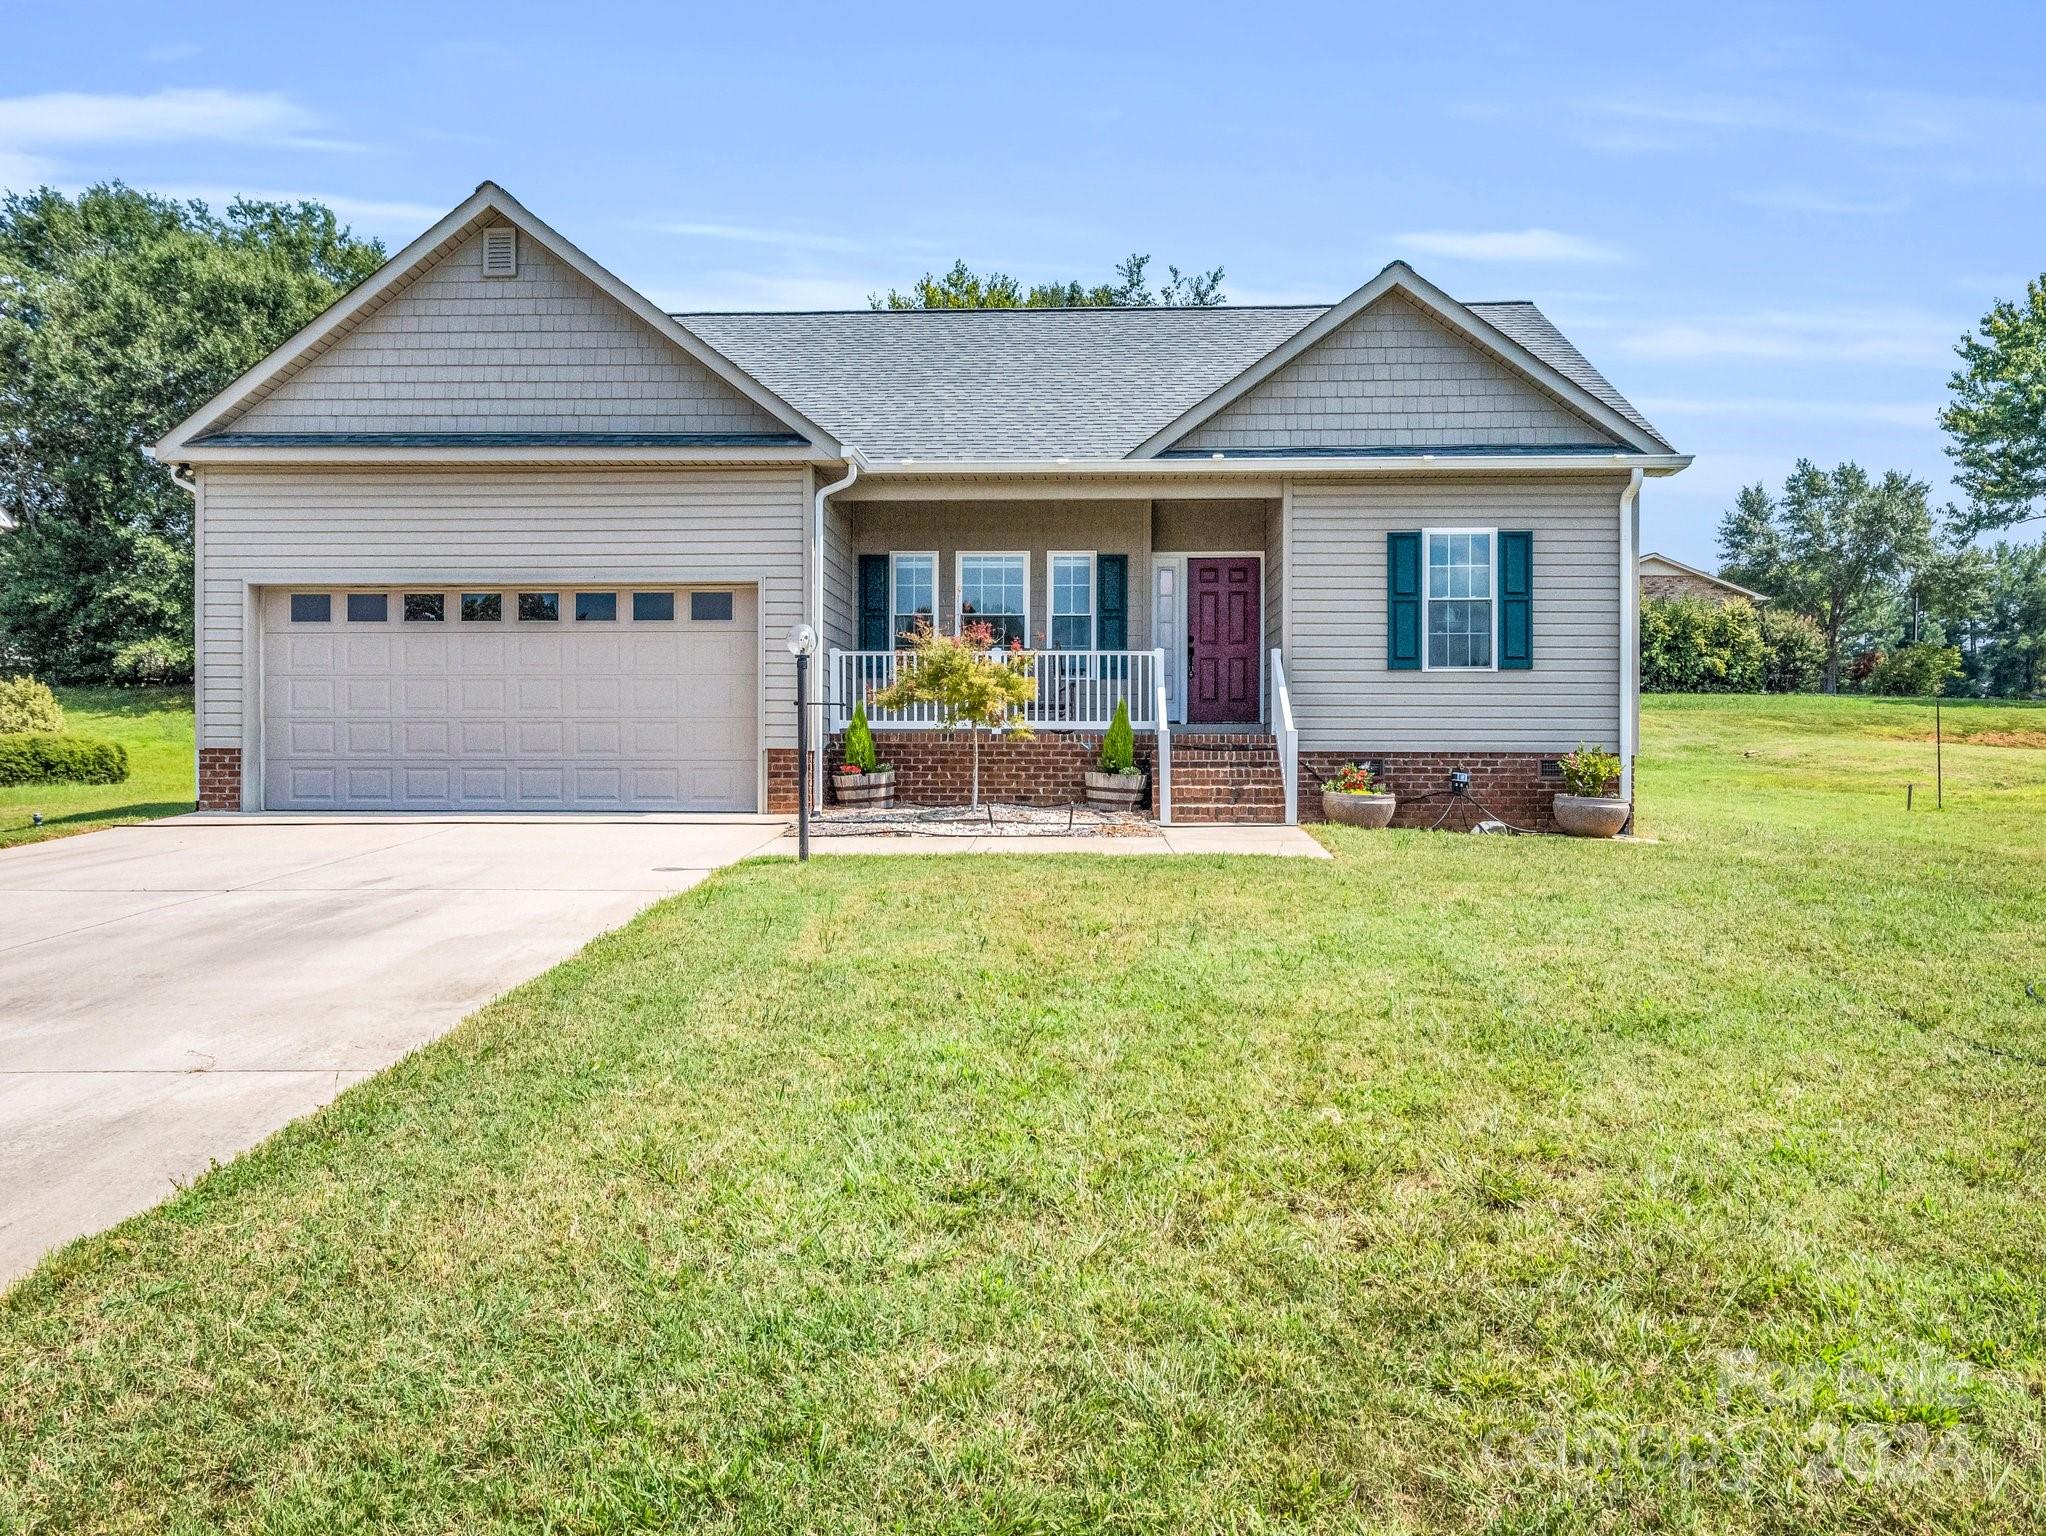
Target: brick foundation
(1509, 783)
(783, 780)
(220, 778)
(1048, 769)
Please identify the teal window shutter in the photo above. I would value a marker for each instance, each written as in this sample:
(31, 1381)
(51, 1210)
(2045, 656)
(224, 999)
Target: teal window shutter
(1112, 602)
(1403, 602)
(874, 634)
(1516, 600)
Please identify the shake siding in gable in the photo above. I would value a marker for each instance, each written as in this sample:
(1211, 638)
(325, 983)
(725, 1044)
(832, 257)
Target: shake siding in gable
(338, 527)
(545, 351)
(1393, 377)
(1344, 698)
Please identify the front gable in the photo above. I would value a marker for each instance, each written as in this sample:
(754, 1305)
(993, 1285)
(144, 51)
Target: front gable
(541, 351)
(1393, 376)
(449, 345)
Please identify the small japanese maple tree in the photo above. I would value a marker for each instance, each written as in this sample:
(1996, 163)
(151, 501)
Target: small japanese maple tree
(967, 680)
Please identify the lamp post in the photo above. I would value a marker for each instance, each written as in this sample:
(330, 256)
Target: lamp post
(802, 645)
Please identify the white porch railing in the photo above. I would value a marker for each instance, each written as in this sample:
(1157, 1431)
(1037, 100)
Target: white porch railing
(1076, 690)
(1288, 737)
(1161, 795)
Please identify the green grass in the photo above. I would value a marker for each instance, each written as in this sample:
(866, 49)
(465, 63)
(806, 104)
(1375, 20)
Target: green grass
(154, 724)
(1463, 1183)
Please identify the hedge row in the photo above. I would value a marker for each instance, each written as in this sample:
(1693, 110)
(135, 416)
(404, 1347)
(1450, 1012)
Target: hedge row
(43, 757)
(1689, 645)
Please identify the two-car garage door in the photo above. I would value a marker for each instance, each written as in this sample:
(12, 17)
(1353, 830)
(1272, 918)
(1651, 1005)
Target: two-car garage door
(540, 698)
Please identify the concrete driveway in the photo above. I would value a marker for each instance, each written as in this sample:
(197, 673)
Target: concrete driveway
(171, 994)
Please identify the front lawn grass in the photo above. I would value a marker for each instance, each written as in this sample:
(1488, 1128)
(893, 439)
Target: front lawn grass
(154, 724)
(1463, 1183)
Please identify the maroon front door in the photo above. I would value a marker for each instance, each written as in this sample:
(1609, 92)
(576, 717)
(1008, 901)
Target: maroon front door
(1222, 634)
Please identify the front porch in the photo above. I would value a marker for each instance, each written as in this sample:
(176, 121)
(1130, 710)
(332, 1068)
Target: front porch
(1169, 608)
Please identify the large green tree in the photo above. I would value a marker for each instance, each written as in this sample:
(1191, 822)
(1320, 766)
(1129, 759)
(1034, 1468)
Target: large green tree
(120, 314)
(1835, 545)
(963, 288)
(1997, 418)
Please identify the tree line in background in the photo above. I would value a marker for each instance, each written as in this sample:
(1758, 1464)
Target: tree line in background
(1869, 588)
(120, 315)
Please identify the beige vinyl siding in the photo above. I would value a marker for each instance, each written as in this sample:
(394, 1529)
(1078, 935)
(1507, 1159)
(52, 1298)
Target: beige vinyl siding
(1200, 526)
(1275, 582)
(337, 527)
(454, 351)
(1106, 527)
(1345, 699)
(1394, 377)
(840, 623)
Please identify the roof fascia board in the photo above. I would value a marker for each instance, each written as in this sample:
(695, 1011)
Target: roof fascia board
(509, 454)
(1226, 477)
(1473, 327)
(487, 198)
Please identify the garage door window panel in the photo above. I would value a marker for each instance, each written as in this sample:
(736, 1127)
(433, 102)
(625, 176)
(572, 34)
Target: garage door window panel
(596, 607)
(539, 607)
(653, 607)
(426, 607)
(482, 607)
(312, 608)
(369, 608)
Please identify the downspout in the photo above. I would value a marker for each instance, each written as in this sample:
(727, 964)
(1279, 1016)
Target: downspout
(855, 461)
(181, 477)
(1630, 629)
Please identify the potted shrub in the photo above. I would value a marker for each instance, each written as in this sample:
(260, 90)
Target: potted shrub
(862, 779)
(1114, 783)
(1589, 805)
(1355, 798)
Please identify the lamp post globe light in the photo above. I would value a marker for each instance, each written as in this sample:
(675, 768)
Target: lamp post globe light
(802, 645)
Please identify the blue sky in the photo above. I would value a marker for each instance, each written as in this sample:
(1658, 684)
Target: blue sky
(1766, 223)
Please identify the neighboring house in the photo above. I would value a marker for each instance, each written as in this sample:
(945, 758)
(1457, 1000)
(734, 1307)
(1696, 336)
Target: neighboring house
(496, 533)
(1663, 577)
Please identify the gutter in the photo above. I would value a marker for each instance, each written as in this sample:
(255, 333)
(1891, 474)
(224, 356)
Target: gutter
(1630, 630)
(1247, 464)
(855, 461)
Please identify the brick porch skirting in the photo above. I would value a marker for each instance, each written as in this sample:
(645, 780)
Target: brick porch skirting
(220, 778)
(1509, 783)
(1048, 769)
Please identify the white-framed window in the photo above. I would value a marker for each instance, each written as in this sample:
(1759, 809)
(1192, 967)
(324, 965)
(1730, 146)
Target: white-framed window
(1072, 600)
(994, 589)
(912, 592)
(1459, 584)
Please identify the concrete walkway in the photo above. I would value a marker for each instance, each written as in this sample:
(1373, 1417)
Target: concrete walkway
(171, 994)
(1277, 842)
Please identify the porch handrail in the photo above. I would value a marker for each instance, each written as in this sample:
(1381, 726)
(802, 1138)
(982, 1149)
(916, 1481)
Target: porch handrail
(1076, 690)
(1162, 714)
(1289, 737)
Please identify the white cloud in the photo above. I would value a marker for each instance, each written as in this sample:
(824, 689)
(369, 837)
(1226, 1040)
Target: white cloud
(1923, 413)
(20, 172)
(1871, 335)
(1546, 246)
(760, 290)
(61, 118)
(350, 210)
(788, 239)
(1803, 200)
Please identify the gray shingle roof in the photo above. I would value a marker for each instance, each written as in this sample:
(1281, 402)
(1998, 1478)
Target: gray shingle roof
(1520, 321)
(1036, 384)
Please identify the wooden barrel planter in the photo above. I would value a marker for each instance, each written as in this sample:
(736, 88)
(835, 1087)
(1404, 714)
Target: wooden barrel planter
(872, 791)
(1113, 791)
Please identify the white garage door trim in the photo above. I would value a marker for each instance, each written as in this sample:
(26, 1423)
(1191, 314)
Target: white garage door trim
(513, 772)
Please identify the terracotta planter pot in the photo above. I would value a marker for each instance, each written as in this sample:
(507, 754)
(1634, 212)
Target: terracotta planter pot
(1114, 791)
(875, 791)
(1591, 815)
(1358, 810)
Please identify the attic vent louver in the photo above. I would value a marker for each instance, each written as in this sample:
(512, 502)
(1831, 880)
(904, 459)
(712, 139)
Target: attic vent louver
(501, 252)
